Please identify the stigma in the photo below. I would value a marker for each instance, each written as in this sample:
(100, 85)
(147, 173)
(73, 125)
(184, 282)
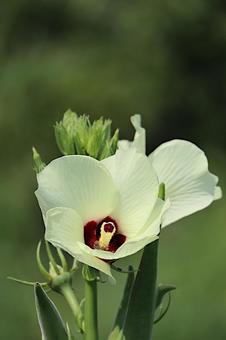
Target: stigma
(103, 234)
(107, 230)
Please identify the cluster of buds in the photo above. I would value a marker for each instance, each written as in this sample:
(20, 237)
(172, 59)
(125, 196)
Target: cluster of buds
(57, 275)
(59, 279)
(77, 135)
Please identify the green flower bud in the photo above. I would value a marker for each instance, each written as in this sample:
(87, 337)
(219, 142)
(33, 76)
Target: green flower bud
(64, 132)
(38, 164)
(60, 280)
(77, 135)
(89, 273)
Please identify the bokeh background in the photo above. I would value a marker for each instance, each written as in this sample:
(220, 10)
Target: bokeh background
(165, 59)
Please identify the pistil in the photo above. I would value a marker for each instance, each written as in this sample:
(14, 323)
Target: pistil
(107, 230)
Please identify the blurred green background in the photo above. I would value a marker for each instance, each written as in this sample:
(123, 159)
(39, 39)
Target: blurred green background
(165, 59)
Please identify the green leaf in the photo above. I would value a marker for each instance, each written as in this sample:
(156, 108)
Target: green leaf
(162, 290)
(118, 331)
(140, 316)
(50, 322)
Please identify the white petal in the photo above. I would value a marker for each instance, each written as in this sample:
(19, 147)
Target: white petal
(78, 182)
(154, 222)
(139, 141)
(183, 167)
(218, 193)
(138, 185)
(64, 228)
(130, 247)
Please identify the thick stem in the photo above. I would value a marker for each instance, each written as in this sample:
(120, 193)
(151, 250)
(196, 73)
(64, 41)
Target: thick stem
(91, 326)
(67, 291)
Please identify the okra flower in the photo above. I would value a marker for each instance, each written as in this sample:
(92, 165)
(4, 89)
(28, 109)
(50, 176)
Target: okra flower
(183, 168)
(100, 211)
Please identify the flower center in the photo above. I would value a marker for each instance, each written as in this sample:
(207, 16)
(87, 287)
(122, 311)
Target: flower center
(107, 230)
(103, 235)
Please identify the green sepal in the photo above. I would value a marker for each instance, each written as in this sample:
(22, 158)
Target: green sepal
(50, 321)
(118, 330)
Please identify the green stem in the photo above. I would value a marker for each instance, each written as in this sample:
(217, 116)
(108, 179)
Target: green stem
(91, 327)
(68, 293)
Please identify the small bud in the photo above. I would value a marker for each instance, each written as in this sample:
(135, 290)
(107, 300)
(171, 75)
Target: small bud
(64, 132)
(89, 273)
(57, 275)
(37, 161)
(60, 280)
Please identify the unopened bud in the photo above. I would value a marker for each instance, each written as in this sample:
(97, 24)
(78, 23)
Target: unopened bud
(77, 135)
(37, 161)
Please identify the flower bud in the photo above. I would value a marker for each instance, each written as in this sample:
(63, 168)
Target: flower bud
(37, 161)
(57, 275)
(89, 273)
(77, 135)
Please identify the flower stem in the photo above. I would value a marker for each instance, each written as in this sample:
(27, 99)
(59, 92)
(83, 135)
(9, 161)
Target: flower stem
(91, 327)
(68, 293)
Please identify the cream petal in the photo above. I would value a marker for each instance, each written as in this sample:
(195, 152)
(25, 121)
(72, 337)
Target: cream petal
(190, 187)
(217, 193)
(78, 182)
(64, 228)
(139, 141)
(137, 184)
(130, 247)
(154, 222)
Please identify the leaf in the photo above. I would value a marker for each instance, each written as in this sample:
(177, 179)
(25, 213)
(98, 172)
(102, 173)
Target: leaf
(118, 331)
(50, 322)
(162, 310)
(162, 290)
(140, 316)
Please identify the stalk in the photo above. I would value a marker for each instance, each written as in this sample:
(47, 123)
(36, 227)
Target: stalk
(67, 291)
(91, 326)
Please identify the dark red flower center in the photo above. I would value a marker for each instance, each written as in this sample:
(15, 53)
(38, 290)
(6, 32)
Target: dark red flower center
(103, 235)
